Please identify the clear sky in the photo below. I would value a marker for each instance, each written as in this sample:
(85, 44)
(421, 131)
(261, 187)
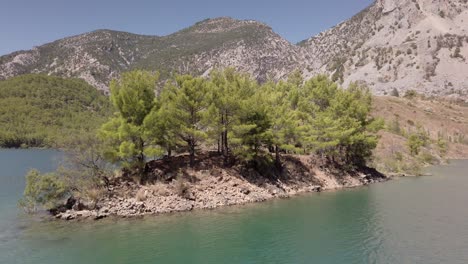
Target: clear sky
(28, 23)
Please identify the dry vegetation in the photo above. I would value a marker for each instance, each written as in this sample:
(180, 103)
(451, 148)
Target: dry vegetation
(444, 122)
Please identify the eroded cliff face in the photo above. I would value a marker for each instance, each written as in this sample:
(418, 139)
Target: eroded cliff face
(409, 44)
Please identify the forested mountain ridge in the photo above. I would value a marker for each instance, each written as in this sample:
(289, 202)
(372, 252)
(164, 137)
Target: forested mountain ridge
(410, 44)
(45, 111)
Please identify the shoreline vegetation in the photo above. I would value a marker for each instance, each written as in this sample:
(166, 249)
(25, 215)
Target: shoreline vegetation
(200, 143)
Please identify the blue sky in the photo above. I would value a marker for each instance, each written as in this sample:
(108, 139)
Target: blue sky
(24, 24)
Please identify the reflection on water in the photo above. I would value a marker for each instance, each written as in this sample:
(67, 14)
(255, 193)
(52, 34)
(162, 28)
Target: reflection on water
(414, 220)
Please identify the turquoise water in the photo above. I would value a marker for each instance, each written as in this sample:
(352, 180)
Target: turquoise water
(411, 220)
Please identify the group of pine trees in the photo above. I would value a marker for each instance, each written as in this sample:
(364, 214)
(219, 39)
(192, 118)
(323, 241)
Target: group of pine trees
(243, 120)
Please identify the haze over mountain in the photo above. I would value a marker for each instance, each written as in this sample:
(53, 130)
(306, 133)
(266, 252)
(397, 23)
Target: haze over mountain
(409, 44)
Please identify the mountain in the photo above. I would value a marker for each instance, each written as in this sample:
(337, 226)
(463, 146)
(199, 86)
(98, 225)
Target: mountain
(101, 55)
(408, 44)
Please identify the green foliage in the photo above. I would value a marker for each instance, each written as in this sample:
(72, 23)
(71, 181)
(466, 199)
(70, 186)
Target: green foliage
(186, 105)
(338, 68)
(282, 101)
(43, 190)
(336, 121)
(442, 145)
(416, 141)
(252, 134)
(400, 164)
(46, 111)
(427, 158)
(124, 134)
(85, 166)
(395, 127)
(244, 119)
(84, 175)
(410, 94)
(230, 92)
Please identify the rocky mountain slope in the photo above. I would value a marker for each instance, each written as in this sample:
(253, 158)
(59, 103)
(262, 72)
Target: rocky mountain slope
(101, 55)
(407, 44)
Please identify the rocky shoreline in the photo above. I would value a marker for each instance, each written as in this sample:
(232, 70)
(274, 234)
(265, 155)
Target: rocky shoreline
(210, 185)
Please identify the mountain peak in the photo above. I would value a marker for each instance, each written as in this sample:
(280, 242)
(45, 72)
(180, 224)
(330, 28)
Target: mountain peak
(224, 24)
(406, 44)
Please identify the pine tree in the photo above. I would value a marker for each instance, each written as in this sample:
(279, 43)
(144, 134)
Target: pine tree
(186, 106)
(160, 125)
(229, 90)
(336, 122)
(252, 133)
(282, 110)
(134, 98)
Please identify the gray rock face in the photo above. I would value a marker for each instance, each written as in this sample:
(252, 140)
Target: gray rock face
(408, 44)
(387, 5)
(102, 55)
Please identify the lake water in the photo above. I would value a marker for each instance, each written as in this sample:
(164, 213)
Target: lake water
(410, 220)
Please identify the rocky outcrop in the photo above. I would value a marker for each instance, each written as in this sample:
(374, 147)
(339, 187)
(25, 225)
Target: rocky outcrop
(210, 185)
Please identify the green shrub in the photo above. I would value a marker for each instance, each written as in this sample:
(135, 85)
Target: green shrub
(416, 142)
(394, 127)
(427, 158)
(442, 146)
(410, 94)
(43, 190)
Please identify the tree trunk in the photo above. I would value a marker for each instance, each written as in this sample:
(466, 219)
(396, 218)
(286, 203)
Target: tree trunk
(225, 147)
(224, 137)
(141, 159)
(169, 152)
(192, 152)
(277, 157)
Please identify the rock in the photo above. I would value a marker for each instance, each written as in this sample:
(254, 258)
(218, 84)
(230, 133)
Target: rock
(85, 214)
(70, 202)
(101, 215)
(189, 195)
(317, 188)
(274, 190)
(68, 215)
(79, 206)
(245, 191)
